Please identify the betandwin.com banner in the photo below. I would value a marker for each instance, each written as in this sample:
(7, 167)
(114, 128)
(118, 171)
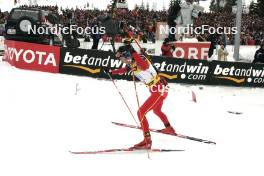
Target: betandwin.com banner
(237, 74)
(90, 63)
(183, 70)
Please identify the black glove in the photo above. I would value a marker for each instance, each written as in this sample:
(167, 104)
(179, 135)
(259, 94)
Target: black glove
(130, 48)
(262, 56)
(121, 49)
(173, 47)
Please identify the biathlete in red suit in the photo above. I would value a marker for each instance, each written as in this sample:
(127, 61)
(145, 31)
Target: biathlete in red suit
(147, 74)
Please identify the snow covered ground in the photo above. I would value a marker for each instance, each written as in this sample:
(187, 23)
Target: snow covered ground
(42, 118)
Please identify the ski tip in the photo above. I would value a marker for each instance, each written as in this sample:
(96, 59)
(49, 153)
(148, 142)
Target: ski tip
(72, 152)
(169, 150)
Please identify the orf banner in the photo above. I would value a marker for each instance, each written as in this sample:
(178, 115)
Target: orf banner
(237, 74)
(32, 56)
(196, 50)
(182, 70)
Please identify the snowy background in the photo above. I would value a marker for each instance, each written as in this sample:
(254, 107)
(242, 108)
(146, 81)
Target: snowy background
(42, 118)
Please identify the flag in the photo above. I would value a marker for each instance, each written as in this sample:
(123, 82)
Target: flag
(194, 97)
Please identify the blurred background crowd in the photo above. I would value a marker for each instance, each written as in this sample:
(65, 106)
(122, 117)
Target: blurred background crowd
(142, 22)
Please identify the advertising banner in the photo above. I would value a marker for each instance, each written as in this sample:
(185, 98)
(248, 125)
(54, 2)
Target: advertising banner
(87, 62)
(182, 70)
(237, 74)
(191, 71)
(187, 50)
(92, 62)
(32, 56)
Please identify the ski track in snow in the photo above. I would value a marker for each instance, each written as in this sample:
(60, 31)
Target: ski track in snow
(41, 119)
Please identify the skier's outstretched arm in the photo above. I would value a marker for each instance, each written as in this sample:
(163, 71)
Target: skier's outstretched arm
(143, 64)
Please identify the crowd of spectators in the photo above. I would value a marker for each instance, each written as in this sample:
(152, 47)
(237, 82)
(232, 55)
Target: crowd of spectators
(3, 16)
(252, 27)
(138, 22)
(143, 22)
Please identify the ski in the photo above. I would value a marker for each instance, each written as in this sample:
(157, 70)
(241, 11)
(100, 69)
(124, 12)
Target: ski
(125, 150)
(234, 112)
(157, 131)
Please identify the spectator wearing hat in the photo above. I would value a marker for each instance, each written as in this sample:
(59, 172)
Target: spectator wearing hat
(222, 53)
(96, 36)
(167, 49)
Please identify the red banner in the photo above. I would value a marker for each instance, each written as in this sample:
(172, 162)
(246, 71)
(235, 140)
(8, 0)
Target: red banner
(32, 56)
(196, 50)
